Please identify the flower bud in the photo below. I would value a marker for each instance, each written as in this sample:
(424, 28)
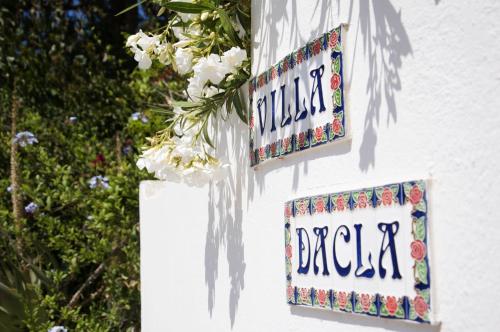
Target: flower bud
(204, 16)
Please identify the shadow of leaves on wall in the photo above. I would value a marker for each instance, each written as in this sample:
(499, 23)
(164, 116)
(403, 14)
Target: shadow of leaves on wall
(225, 218)
(386, 44)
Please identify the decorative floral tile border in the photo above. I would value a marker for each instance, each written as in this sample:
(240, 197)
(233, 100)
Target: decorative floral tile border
(328, 132)
(381, 305)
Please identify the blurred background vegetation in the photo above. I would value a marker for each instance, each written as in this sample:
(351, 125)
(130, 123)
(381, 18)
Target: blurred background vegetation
(72, 257)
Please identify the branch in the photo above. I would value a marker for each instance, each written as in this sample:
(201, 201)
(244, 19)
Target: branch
(92, 277)
(14, 169)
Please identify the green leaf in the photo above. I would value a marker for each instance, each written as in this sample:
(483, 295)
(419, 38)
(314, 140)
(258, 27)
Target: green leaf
(243, 16)
(185, 104)
(337, 98)
(395, 190)
(421, 206)
(336, 65)
(420, 229)
(131, 7)
(206, 136)
(407, 188)
(421, 269)
(383, 310)
(187, 7)
(239, 107)
(227, 26)
(425, 293)
(287, 238)
(161, 11)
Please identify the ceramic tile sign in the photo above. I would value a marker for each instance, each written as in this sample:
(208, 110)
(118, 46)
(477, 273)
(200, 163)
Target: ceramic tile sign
(362, 251)
(299, 102)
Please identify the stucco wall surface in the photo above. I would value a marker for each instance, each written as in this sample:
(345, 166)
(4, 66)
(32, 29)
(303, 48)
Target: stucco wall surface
(423, 82)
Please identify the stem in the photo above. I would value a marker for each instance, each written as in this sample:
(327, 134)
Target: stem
(14, 171)
(118, 149)
(92, 277)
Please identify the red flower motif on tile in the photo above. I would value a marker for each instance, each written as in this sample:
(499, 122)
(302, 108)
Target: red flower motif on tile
(261, 80)
(387, 196)
(288, 251)
(317, 47)
(342, 299)
(333, 39)
(365, 302)
(336, 126)
(302, 138)
(274, 73)
(289, 292)
(391, 304)
(318, 133)
(285, 65)
(273, 148)
(300, 56)
(421, 306)
(340, 204)
(261, 152)
(304, 294)
(335, 81)
(251, 122)
(322, 297)
(320, 205)
(418, 250)
(415, 195)
(362, 200)
(288, 211)
(286, 143)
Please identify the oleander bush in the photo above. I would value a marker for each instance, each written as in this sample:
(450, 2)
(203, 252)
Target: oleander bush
(73, 116)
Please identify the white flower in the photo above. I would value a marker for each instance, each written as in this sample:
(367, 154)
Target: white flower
(211, 91)
(148, 43)
(184, 60)
(143, 59)
(132, 40)
(58, 329)
(162, 52)
(211, 69)
(144, 47)
(178, 110)
(182, 43)
(233, 58)
(182, 160)
(178, 33)
(195, 88)
(152, 159)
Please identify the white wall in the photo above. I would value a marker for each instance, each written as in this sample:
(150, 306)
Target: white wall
(424, 80)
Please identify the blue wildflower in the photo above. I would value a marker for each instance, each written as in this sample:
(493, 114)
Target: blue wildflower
(31, 208)
(58, 329)
(9, 189)
(24, 138)
(99, 181)
(139, 116)
(127, 149)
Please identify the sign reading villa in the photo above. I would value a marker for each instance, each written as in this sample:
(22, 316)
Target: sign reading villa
(299, 102)
(363, 251)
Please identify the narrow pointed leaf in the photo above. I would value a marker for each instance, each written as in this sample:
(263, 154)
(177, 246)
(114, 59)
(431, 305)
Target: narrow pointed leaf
(131, 7)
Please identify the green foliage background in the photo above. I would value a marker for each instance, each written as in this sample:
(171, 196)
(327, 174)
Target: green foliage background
(60, 59)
